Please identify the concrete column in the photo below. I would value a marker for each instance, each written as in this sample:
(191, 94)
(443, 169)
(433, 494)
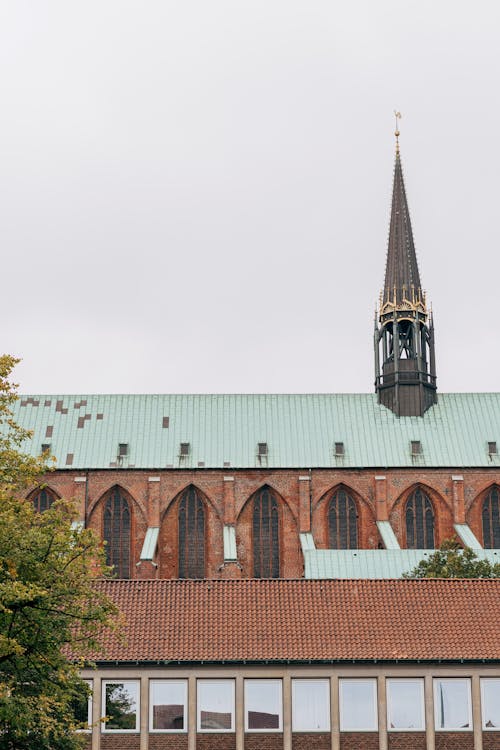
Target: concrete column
(476, 713)
(381, 498)
(144, 713)
(287, 713)
(382, 713)
(192, 713)
(229, 502)
(240, 713)
(153, 501)
(458, 499)
(304, 503)
(429, 713)
(96, 713)
(335, 712)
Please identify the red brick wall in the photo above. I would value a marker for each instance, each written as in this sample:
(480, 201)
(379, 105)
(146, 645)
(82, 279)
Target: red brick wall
(359, 741)
(120, 741)
(407, 741)
(168, 742)
(491, 740)
(454, 741)
(311, 741)
(264, 741)
(216, 741)
(151, 501)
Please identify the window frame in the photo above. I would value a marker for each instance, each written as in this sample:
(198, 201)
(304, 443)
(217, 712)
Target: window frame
(373, 682)
(322, 680)
(104, 727)
(420, 681)
(178, 681)
(205, 680)
(467, 680)
(267, 680)
(482, 681)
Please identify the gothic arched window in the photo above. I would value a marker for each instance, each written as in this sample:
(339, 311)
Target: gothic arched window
(491, 519)
(42, 500)
(191, 535)
(117, 533)
(419, 521)
(266, 542)
(342, 521)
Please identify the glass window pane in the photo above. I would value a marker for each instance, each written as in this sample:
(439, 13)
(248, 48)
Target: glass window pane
(81, 706)
(358, 705)
(405, 704)
(490, 702)
(310, 705)
(120, 706)
(168, 701)
(452, 704)
(216, 705)
(263, 705)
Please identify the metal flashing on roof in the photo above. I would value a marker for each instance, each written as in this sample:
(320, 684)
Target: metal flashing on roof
(230, 552)
(150, 541)
(307, 541)
(77, 525)
(467, 536)
(388, 536)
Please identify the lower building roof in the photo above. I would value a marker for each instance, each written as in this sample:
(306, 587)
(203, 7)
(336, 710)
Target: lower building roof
(216, 621)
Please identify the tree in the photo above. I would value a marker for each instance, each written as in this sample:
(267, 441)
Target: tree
(51, 617)
(453, 561)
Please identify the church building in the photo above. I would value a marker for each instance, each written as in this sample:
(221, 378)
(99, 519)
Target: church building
(259, 541)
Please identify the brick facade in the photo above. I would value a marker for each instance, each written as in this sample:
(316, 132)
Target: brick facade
(168, 742)
(454, 741)
(359, 741)
(264, 741)
(154, 499)
(491, 740)
(120, 741)
(215, 741)
(407, 741)
(310, 741)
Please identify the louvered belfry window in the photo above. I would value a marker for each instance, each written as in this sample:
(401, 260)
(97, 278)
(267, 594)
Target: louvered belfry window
(191, 535)
(342, 521)
(117, 533)
(491, 519)
(266, 541)
(42, 500)
(419, 521)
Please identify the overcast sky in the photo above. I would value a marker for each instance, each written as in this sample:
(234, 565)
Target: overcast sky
(195, 195)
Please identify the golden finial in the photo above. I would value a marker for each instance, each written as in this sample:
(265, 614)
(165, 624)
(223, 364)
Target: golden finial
(397, 115)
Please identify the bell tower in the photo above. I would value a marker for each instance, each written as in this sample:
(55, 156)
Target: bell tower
(405, 369)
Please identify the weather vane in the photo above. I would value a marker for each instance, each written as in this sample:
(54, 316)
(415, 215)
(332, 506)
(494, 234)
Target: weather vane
(397, 115)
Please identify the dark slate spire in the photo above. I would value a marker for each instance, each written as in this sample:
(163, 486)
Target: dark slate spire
(404, 333)
(402, 279)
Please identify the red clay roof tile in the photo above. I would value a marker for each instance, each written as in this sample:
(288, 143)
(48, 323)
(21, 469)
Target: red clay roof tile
(302, 620)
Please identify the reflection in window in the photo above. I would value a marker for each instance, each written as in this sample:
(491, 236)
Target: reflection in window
(42, 500)
(419, 521)
(342, 521)
(216, 705)
(263, 701)
(191, 535)
(168, 705)
(310, 705)
(358, 705)
(81, 706)
(117, 533)
(491, 519)
(490, 703)
(266, 543)
(405, 704)
(452, 704)
(120, 706)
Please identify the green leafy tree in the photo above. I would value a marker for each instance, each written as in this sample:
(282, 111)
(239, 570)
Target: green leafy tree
(51, 617)
(453, 561)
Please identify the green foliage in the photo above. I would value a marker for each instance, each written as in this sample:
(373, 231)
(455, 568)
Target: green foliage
(453, 561)
(50, 614)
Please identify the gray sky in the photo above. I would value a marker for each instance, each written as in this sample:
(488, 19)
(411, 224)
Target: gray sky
(195, 195)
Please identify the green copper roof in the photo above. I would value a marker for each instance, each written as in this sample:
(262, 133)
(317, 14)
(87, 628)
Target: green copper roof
(223, 431)
(372, 563)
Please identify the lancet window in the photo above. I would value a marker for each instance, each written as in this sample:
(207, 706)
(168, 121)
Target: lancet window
(266, 535)
(491, 519)
(419, 521)
(342, 521)
(191, 535)
(42, 500)
(116, 523)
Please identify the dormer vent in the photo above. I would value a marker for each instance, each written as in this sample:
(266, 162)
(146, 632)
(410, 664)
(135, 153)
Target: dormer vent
(416, 448)
(122, 450)
(185, 449)
(339, 449)
(46, 448)
(492, 448)
(262, 449)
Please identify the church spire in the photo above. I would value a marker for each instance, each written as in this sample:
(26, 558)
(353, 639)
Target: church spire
(404, 330)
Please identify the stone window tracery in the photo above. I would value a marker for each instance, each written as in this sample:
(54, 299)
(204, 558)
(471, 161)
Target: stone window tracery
(491, 519)
(191, 535)
(266, 535)
(342, 521)
(42, 500)
(116, 523)
(419, 518)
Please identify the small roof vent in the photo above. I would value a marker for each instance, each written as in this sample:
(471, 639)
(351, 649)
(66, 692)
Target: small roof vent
(262, 449)
(339, 449)
(492, 448)
(122, 449)
(185, 449)
(45, 448)
(416, 448)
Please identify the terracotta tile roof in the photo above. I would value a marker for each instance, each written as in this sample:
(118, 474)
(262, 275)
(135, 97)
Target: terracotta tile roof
(302, 620)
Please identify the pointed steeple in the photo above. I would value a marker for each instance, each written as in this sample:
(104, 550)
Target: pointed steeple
(404, 334)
